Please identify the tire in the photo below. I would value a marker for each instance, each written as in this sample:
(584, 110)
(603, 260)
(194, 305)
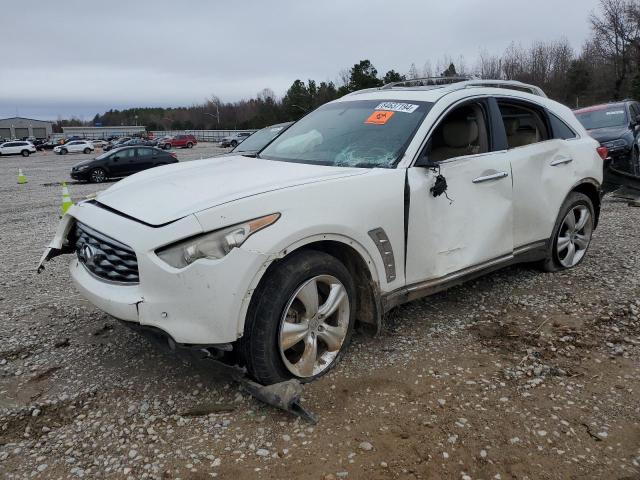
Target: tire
(276, 302)
(166, 146)
(63, 151)
(189, 145)
(577, 240)
(234, 144)
(634, 168)
(97, 175)
(87, 150)
(25, 153)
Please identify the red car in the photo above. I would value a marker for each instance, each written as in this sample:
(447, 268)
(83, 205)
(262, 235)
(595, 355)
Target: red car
(183, 141)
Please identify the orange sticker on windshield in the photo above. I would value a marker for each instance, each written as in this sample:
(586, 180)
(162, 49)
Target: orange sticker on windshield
(379, 117)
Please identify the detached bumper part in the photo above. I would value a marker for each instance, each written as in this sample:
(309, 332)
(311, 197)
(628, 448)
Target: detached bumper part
(283, 395)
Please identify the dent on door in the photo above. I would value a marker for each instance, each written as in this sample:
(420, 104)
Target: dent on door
(472, 226)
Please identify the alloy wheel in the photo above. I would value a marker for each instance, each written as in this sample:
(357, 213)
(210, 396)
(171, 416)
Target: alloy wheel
(314, 326)
(98, 175)
(574, 236)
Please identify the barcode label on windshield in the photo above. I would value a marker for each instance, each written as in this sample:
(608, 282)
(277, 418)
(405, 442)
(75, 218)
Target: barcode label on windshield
(397, 107)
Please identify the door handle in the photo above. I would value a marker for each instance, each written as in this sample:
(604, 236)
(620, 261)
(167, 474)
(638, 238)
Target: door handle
(493, 176)
(561, 161)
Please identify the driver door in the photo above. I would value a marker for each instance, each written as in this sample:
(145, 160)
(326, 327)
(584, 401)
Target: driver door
(470, 225)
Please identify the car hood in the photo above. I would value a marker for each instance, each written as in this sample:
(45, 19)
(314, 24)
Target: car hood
(83, 163)
(607, 134)
(161, 195)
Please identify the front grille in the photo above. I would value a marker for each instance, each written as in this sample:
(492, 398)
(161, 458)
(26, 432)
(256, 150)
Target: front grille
(105, 257)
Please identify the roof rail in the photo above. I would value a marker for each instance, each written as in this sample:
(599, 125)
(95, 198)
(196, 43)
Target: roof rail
(428, 81)
(459, 83)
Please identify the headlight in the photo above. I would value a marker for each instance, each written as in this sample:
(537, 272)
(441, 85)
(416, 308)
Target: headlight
(83, 167)
(215, 244)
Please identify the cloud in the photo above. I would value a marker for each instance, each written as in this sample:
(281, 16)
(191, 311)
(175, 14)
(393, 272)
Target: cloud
(97, 56)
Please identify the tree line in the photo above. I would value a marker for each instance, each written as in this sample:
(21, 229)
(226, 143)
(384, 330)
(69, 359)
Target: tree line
(605, 68)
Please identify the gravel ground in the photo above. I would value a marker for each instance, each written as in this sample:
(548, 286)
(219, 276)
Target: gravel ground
(517, 375)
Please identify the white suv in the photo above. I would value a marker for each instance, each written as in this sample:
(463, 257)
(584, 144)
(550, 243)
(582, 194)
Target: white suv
(17, 147)
(373, 200)
(75, 146)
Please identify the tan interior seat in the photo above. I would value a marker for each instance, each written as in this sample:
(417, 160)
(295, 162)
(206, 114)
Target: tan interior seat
(517, 137)
(460, 138)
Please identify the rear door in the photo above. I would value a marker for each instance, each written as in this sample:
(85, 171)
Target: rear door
(145, 158)
(470, 224)
(543, 168)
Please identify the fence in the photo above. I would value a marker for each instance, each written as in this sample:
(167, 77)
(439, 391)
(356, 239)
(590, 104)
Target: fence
(201, 135)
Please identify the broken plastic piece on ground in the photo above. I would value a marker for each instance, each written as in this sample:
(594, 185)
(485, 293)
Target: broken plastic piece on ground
(284, 395)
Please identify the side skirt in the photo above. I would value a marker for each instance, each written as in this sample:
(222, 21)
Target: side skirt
(526, 253)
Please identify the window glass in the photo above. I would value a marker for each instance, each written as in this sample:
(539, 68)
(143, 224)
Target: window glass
(603, 116)
(523, 124)
(145, 152)
(126, 153)
(462, 132)
(560, 129)
(358, 133)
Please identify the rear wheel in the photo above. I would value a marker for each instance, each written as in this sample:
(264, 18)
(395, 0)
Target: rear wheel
(635, 161)
(87, 150)
(234, 144)
(98, 175)
(300, 319)
(25, 153)
(572, 233)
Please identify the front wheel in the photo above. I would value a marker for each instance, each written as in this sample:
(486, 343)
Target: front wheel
(234, 144)
(167, 146)
(98, 175)
(571, 234)
(63, 151)
(189, 145)
(300, 319)
(25, 153)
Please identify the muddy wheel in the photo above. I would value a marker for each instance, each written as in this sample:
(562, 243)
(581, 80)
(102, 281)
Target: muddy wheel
(300, 319)
(572, 233)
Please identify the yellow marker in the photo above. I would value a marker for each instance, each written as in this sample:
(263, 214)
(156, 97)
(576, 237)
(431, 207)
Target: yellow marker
(66, 200)
(21, 178)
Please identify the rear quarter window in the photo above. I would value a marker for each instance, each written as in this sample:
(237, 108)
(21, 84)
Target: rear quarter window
(560, 129)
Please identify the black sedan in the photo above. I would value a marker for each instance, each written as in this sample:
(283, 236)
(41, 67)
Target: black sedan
(120, 163)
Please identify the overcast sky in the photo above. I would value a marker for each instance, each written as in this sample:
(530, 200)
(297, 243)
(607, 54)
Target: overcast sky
(79, 57)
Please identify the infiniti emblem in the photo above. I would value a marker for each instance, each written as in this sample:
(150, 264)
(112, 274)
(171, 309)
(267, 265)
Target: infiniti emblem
(87, 254)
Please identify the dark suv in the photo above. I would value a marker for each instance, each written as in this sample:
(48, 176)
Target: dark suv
(617, 127)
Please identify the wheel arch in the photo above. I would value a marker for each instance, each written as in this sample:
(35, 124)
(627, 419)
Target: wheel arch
(592, 189)
(354, 257)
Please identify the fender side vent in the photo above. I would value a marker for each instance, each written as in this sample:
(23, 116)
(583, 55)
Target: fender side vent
(380, 238)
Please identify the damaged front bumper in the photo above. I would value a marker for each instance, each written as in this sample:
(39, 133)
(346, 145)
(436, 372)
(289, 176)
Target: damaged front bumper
(203, 303)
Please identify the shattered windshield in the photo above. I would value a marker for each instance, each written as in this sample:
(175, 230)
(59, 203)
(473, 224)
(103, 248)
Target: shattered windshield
(362, 133)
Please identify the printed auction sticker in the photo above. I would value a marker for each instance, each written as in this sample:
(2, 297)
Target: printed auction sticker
(615, 112)
(379, 118)
(397, 107)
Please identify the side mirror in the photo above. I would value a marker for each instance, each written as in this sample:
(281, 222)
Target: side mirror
(425, 161)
